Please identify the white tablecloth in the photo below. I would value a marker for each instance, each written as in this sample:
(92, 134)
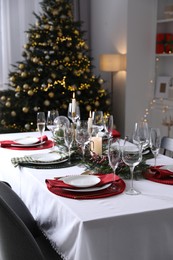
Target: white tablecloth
(115, 228)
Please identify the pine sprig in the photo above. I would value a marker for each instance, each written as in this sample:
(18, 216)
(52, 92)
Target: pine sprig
(100, 164)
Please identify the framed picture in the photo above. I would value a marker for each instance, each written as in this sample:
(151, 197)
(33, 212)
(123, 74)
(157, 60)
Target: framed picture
(162, 87)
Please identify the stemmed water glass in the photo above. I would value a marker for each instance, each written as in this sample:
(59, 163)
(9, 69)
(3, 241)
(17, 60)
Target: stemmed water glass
(73, 116)
(51, 115)
(132, 156)
(98, 121)
(155, 141)
(141, 134)
(68, 139)
(114, 156)
(108, 125)
(41, 123)
(82, 135)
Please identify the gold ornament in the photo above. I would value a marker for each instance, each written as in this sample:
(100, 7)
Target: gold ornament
(108, 102)
(3, 98)
(76, 32)
(55, 48)
(60, 34)
(12, 78)
(8, 104)
(101, 81)
(46, 27)
(37, 24)
(51, 94)
(30, 93)
(35, 60)
(88, 108)
(49, 80)
(37, 36)
(36, 79)
(64, 106)
(53, 75)
(55, 12)
(79, 56)
(3, 122)
(25, 86)
(25, 109)
(27, 127)
(97, 103)
(18, 88)
(46, 103)
(51, 28)
(26, 46)
(66, 59)
(13, 113)
(21, 66)
(35, 109)
(24, 74)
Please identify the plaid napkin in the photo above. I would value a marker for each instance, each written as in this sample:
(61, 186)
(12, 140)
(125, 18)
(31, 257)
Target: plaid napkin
(28, 160)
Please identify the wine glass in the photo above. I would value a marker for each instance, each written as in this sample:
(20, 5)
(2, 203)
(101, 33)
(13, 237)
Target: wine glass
(98, 122)
(51, 115)
(114, 156)
(108, 125)
(73, 116)
(141, 134)
(155, 141)
(41, 123)
(132, 156)
(82, 135)
(68, 139)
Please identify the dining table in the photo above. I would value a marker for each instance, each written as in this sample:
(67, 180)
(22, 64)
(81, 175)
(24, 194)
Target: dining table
(117, 227)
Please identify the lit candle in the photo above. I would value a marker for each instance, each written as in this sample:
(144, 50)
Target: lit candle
(90, 122)
(96, 145)
(73, 109)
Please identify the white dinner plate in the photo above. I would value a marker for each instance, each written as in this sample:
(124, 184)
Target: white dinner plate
(47, 157)
(81, 181)
(90, 189)
(28, 145)
(27, 140)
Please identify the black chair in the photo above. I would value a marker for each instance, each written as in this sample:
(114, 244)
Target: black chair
(18, 227)
(167, 145)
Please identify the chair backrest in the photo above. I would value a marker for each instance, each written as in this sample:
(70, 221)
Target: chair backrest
(167, 145)
(16, 242)
(18, 206)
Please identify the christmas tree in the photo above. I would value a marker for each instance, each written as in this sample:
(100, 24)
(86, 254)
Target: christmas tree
(56, 63)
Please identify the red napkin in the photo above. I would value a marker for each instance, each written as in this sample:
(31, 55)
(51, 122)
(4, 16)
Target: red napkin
(159, 175)
(104, 179)
(115, 133)
(103, 193)
(8, 143)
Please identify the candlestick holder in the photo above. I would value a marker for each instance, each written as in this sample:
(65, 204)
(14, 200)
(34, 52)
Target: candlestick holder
(168, 122)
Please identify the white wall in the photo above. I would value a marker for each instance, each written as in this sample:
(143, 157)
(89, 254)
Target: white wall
(126, 26)
(140, 59)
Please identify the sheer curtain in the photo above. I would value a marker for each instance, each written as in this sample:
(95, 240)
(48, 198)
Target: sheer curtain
(15, 17)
